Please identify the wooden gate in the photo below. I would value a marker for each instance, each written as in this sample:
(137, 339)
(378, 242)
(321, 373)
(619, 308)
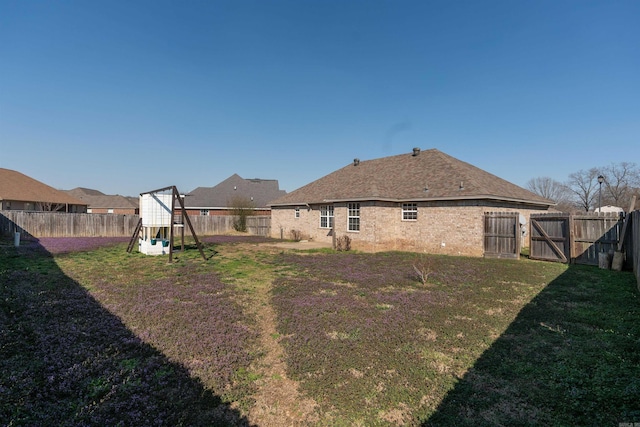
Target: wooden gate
(573, 238)
(550, 237)
(501, 235)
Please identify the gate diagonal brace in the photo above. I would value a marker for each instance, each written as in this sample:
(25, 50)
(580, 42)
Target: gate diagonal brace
(544, 234)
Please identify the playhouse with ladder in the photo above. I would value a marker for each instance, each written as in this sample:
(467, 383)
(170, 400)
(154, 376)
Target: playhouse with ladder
(159, 221)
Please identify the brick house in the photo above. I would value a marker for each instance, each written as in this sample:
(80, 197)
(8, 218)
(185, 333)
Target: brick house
(100, 203)
(421, 201)
(220, 199)
(23, 193)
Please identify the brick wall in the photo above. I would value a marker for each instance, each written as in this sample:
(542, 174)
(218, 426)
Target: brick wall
(283, 221)
(453, 228)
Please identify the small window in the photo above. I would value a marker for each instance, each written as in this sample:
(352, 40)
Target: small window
(353, 217)
(89, 210)
(297, 214)
(326, 216)
(110, 211)
(409, 211)
(204, 212)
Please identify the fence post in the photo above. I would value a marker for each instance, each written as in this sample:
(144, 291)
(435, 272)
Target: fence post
(572, 242)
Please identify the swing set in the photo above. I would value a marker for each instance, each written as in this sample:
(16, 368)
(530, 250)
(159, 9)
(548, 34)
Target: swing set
(158, 222)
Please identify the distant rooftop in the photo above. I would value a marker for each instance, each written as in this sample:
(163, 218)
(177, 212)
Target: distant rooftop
(259, 191)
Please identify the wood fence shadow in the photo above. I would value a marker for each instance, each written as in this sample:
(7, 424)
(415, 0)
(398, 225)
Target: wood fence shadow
(67, 361)
(569, 358)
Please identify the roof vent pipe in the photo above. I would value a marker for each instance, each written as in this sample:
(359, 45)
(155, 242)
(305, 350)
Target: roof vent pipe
(356, 161)
(416, 151)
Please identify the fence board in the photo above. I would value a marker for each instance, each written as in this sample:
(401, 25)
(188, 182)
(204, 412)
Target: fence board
(593, 234)
(633, 249)
(549, 237)
(573, 238)
(51, 224)
(501, 235)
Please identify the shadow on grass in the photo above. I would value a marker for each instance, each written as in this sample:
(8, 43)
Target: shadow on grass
(571, 357)
(67, 361)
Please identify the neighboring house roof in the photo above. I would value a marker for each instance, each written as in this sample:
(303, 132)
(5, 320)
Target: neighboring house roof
(260, 191)
(428, 175)
(96, 199)
(81, 191)
(17, 186)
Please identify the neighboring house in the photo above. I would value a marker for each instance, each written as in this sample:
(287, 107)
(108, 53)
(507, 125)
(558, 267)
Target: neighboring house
(20, 192)
(609, 208)
(100, 203)
(233, 191)
(421, 201)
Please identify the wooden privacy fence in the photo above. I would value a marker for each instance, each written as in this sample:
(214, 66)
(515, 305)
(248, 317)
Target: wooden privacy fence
(573, 238)
(633, 239)
(50, 224)
(258, 225)
(501, 235)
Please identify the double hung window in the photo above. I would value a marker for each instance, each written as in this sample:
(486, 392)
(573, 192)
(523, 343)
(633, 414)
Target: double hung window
(353, 217)
(326, 216)
(409, 211)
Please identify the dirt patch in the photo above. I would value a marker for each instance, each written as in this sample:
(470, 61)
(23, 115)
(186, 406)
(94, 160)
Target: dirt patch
(302, 245)
(278, 401)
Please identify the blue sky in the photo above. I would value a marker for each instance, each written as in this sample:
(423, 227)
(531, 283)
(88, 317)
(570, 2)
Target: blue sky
(129, 96)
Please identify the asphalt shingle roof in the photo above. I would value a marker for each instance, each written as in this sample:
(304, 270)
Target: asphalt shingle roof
(18, 186)
(429, 175)
(96, 199)
(220, 196)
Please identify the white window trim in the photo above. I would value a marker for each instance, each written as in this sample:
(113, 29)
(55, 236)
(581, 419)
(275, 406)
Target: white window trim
(296, 213)
(329, 215)
(409, 209)
(204, 212)
(349, 216)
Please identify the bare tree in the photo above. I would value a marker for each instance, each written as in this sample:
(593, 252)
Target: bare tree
(49, 206)
(583, 184)
(241, 208)
(549, 188)
(620, 181)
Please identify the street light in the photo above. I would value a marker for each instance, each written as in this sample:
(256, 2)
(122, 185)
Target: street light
(600, 181)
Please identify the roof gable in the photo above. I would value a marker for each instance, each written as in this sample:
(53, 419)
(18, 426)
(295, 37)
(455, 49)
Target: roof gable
(260, 191)
(96, 199)
(17, 186)
(81, 191)
(427, 175)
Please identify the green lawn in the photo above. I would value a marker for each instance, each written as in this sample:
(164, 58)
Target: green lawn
(102, 337)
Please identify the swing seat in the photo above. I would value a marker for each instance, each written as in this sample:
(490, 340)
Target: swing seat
(153, 241)
(165, 243)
